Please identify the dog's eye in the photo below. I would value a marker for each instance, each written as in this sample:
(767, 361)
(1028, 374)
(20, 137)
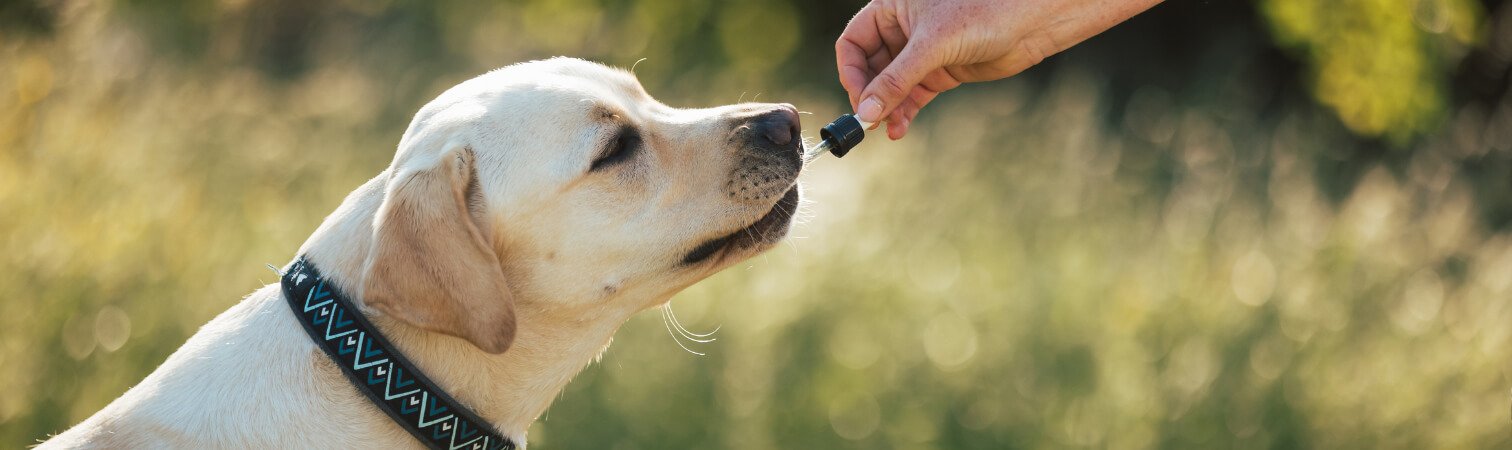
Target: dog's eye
(621, 149)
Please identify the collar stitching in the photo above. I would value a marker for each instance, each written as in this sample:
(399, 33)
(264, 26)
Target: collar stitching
(379, 371)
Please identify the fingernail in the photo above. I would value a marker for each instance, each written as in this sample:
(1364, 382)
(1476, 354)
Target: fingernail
(870, 110)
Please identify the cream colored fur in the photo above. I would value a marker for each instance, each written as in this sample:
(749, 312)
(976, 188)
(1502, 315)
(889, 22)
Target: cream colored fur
(540, 261)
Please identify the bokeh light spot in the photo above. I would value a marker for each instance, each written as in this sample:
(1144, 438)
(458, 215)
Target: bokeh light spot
(949, 340)
(855, 416)
(1253, 278)
(112, 328)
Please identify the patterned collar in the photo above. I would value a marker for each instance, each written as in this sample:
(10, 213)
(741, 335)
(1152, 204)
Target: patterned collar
(377, 369)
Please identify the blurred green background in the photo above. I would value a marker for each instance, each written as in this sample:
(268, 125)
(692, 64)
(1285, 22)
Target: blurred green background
(1223, 224)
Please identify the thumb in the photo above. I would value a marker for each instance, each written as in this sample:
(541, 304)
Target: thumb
(891, 87)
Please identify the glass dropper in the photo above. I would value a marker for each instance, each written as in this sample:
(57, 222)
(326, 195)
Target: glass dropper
(838, 137)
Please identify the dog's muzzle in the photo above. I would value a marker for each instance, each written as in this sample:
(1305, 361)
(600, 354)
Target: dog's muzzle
(773, 155)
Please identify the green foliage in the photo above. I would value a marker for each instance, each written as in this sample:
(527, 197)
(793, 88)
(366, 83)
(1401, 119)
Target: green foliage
(1382, 65)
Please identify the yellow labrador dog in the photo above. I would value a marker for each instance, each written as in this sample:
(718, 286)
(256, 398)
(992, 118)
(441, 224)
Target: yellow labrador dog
(527, 214)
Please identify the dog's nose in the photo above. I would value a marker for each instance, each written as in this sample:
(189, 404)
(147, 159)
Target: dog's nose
(779, 126)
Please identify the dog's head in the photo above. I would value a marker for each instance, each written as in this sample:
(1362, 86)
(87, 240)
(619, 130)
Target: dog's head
(560, 184)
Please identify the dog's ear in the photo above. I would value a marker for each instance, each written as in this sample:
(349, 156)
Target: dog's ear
(430, 264)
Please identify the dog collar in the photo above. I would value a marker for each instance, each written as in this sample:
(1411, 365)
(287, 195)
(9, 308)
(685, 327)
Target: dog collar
(377, 369)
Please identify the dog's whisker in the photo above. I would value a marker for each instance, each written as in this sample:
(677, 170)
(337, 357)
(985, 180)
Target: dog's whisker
(753, 237)
(790, 213)
(674, 337)
(689, 334)
(789, 243)
(671, 318)
(677, 325)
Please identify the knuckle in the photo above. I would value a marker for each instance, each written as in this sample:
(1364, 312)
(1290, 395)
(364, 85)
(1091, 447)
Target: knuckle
(890, 83)
(1036, 47)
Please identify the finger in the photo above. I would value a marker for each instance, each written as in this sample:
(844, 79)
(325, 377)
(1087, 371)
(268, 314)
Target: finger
(854, 79)
(940, 81)
(897, 126)
(894, 83)
(990, 70)
(893, 42)
(920, 96)
(878, 62)
(859, 40)
(902, 117)
(917, 100)
(898, 120)
(890, 30)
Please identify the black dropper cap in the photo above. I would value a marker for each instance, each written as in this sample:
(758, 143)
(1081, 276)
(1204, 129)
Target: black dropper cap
(842, 134)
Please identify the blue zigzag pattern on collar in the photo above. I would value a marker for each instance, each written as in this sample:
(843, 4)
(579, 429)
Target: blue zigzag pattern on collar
(377, 370)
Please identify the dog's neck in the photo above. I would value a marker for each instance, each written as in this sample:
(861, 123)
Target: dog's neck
(509, 389)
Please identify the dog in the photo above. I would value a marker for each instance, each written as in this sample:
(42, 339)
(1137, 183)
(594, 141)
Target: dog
(527, 214)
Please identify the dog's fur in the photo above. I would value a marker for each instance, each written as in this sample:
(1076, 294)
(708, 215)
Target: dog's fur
(491, 254)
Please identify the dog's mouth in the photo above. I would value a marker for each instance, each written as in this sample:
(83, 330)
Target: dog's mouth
(759, 235)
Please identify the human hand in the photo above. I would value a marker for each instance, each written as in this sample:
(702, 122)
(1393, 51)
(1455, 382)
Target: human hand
(895, 56)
